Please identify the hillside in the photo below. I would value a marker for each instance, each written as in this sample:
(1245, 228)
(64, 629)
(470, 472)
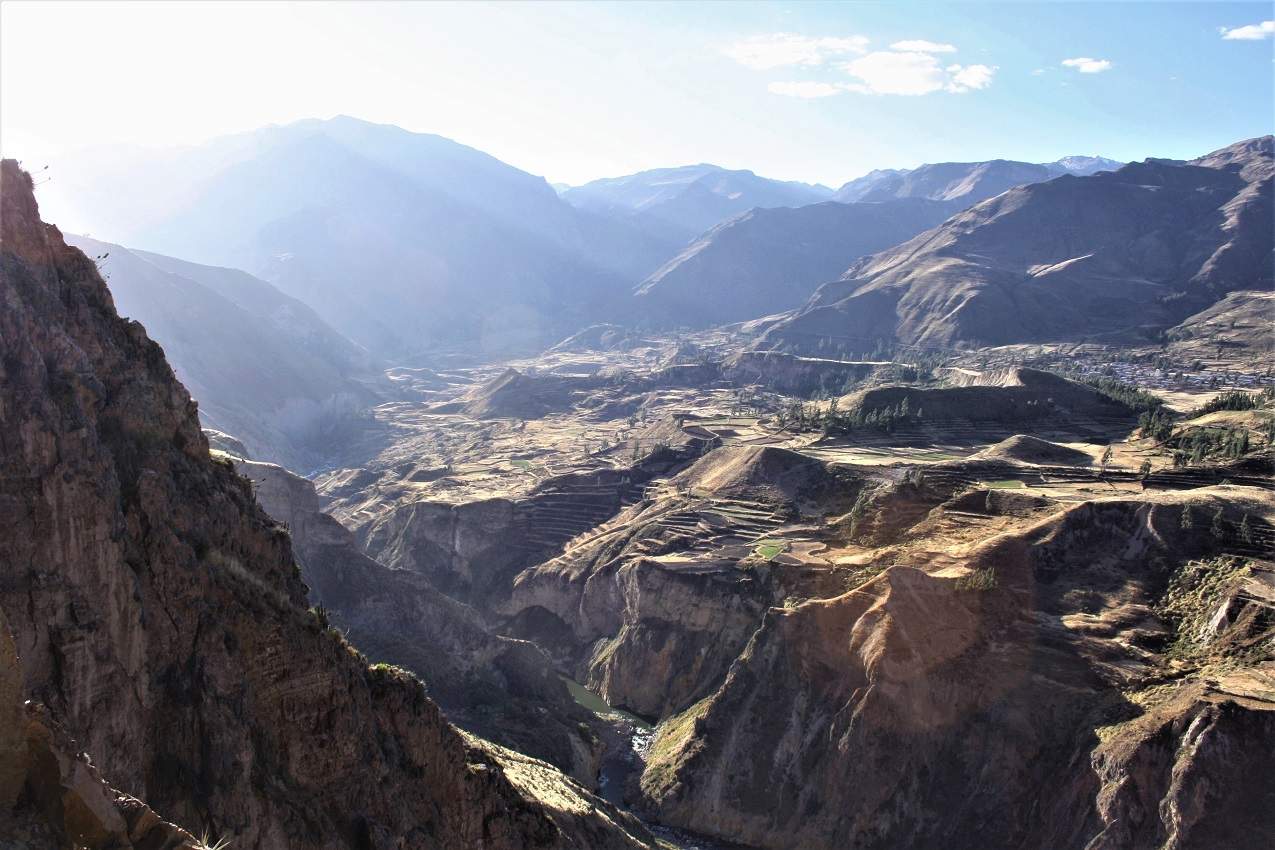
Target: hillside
(1239, 323)
(686, 201)
(1114, 256)
(160, 621)
(263, 366)
(769, 260)
(404, 242)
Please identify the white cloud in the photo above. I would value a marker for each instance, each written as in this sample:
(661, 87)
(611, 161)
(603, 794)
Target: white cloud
(763, 52)
(1085, 65)
(807, 89)
(920, 45)
(1252, 32)
(969, 77)
(1037, 72)
(913, 73)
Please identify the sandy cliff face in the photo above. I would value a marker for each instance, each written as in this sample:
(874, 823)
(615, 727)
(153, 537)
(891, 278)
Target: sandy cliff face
(1031, 694)
(160, 617)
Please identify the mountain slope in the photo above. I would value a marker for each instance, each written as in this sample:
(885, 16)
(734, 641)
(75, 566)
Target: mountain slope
(1122, 255)
(262, 366)
(404, 242)
(769, 260)
(968, 182)
(686, 201)
(160, 617)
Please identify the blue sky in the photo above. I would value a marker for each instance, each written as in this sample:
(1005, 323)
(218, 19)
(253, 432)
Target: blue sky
(806, 91)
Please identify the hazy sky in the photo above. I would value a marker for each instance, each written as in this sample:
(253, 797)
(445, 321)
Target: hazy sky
(816, 92)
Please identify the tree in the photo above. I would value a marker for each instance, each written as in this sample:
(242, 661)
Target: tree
(1188, 521)
(1106, 457)
(1218, 527)
(1246, 531)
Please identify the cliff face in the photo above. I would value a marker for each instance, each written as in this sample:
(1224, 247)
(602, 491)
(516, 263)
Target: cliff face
(502, 689)
(653, 608)
(161, 620)
(1046, 690)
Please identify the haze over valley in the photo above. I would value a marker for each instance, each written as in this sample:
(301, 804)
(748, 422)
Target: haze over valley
(906, 479)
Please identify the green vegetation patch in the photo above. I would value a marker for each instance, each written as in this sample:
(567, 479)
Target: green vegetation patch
(977, 581)
(1004, 484)
(768, 549)
(1127, 394)
(940, 456)
(1236, 400)
(1193, 594)
(390, 672)
(671, 738)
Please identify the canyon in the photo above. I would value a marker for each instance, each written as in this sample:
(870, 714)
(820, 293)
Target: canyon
(950, 525)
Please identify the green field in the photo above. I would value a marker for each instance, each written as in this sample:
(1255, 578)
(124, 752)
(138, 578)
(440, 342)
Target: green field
(1004, 484)
(768, 549)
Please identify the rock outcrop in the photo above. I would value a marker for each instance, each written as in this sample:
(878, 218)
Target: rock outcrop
(161, 619)
(51, 795)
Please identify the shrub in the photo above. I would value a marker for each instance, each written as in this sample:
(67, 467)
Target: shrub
(1192, 596)
(978, 580)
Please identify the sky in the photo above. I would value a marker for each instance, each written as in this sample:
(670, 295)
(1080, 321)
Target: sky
(818, 92)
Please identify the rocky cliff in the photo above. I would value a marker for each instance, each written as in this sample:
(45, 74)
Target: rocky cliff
(161, 620)
(502, 689)
(1101, 677)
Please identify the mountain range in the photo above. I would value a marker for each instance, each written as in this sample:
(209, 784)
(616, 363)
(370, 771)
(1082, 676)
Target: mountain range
(1114, 256)
(408, 243)
(769, 260)
(404, 242)
(970, 182)
(686, 201)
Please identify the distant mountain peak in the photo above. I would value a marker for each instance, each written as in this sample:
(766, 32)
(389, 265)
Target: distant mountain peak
(1085, 165)
(687, 200)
